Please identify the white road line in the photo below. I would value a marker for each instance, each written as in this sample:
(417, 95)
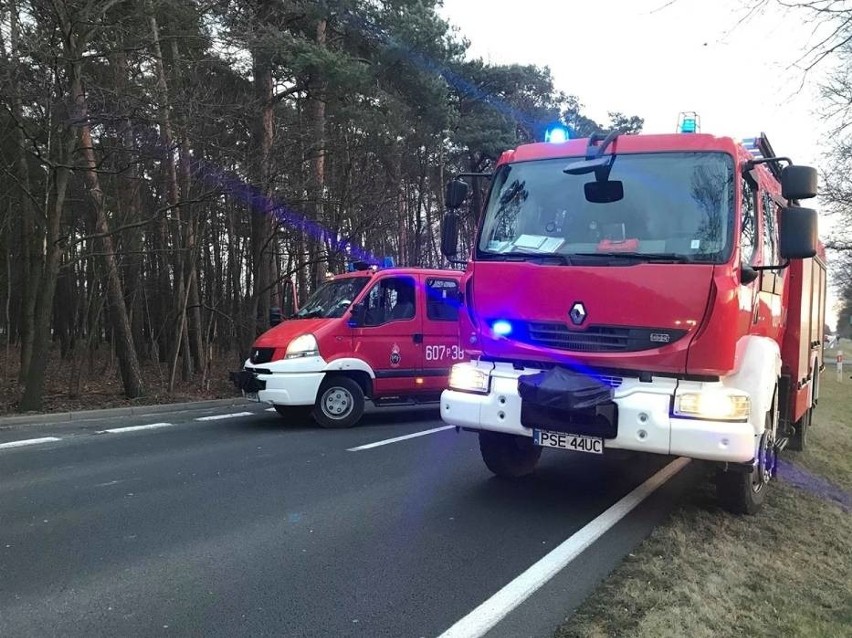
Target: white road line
(216, 417)
(135, 428)
(478, 622)
(269, 410)
(398, 438)
(25, 442)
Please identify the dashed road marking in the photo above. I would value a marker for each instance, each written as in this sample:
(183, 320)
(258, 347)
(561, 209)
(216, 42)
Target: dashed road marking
(369, 446)
(135, 428)
(217, 417)
(26, 442)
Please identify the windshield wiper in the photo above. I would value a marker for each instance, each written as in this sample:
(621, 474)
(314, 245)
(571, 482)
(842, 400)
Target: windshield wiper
(311, 314)
(661, 258)
(539, 258)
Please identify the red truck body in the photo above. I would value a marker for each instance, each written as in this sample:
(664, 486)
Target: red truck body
(699, 303)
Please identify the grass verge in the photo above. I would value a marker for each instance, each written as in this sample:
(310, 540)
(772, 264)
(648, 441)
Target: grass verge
(785, 572)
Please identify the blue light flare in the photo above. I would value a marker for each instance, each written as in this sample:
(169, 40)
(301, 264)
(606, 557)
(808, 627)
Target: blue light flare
(502, 328)
(556, 134)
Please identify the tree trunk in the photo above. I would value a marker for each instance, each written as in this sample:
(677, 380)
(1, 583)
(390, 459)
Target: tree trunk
(131, 205)
(33, 256)
(172, 197)
(131, 372)
(317, 175)
(34, 387)
(262, 222)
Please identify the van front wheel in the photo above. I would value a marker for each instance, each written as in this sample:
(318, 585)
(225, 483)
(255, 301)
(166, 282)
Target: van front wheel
(340, 403)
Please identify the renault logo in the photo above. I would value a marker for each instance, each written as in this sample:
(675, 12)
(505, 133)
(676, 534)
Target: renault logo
(577, 313)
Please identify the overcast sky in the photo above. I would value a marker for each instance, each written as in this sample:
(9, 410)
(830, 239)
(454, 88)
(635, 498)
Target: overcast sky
(656, 58)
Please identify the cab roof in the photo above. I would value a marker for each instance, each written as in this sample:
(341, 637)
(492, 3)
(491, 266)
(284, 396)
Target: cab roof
(672, 142)
(437, 272)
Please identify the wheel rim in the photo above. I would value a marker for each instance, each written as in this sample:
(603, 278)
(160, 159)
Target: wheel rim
(765, 464)
(337, 403)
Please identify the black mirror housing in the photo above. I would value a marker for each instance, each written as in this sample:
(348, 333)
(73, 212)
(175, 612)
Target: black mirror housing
(455, 193)
(798, 182)
(358, 312)
(584, 167)
(604, 192)
(798, 233)
(450, 235)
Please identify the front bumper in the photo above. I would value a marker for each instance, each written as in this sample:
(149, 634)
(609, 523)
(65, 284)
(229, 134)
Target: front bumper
(645, 423)
(284, 382)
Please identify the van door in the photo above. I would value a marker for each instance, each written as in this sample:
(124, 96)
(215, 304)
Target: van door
(442, 346)
(390, 339)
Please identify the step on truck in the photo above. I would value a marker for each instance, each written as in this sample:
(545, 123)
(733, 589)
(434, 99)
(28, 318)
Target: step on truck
(663, 294)
(387, 335)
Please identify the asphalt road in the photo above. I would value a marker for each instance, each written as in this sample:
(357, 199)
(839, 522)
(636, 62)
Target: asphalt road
(246, 525)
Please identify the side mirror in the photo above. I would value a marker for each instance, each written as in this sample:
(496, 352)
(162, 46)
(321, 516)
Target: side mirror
(798, 232)
(450, 235)
(583, 167)
(798, 182)
(455, 193)
(358, 313)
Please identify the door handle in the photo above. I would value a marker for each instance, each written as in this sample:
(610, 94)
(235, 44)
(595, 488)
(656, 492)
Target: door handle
(418, 337)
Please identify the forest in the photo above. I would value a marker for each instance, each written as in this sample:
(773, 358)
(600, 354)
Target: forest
(176, 173)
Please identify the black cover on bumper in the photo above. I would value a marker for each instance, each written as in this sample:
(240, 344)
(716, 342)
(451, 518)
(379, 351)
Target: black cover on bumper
(565, 401)
(247, 381)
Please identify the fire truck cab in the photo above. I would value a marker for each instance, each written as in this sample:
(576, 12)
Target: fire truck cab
(656, 293)
(388, 335)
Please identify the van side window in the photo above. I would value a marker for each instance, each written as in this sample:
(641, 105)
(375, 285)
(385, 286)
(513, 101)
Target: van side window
(770, 231)
(748, 240)
(391, 299)
(442, 299)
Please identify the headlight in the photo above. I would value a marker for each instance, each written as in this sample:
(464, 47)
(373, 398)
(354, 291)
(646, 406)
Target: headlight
(713, 405)
(467, 378)
(304, 346)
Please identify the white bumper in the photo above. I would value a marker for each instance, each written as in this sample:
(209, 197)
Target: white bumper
(645, 422)
(290, 381)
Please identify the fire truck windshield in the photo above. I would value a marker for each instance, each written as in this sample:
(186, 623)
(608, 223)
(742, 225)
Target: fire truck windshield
(332, 298)
(675, 205)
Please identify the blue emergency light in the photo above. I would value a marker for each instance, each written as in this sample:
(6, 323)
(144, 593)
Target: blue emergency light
(387, 262)
(689, 122)
(556, 134)
(502, 328)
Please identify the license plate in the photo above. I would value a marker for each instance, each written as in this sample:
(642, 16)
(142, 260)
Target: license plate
(565, 441)
(251, 396)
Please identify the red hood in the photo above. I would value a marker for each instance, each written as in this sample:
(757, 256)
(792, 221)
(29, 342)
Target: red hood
(640, 305)
(281, 335)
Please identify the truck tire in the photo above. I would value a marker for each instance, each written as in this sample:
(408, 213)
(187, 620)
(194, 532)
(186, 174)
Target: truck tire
(293, 413)
(340, 403)
(799, 440)
(744, 492)
(508, 456)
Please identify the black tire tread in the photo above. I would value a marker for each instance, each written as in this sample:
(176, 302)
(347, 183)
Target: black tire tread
(508, 456)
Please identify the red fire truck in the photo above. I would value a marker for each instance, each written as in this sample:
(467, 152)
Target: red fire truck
(389, 335)
(655, 293)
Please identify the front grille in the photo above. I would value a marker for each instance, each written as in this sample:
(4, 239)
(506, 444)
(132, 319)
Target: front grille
(597, 338)
(607, 379)
(261, 355)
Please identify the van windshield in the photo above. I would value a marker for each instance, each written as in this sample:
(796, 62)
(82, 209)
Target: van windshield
(675, 205)
(332, 298)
